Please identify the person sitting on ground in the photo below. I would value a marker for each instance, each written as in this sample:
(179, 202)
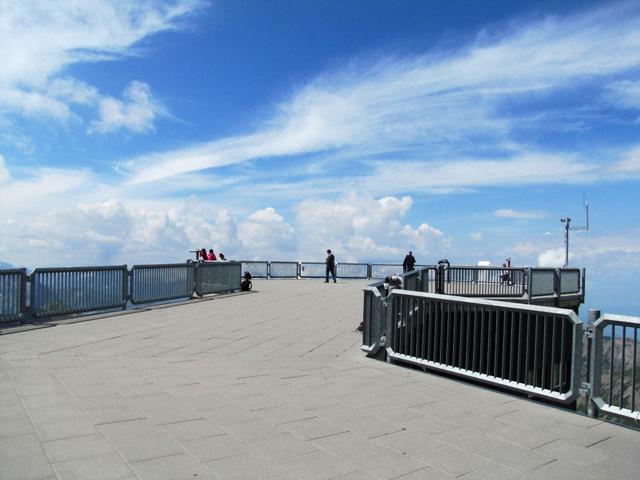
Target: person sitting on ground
(246, 284)
(212, 256)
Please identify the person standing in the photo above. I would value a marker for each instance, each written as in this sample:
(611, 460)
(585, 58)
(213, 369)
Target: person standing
(331, 267)
(409, 262)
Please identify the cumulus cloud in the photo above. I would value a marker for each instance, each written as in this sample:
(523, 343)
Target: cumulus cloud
(359, 227)
(519, 214)
(266, 234)
(553, 257)
(135, 113)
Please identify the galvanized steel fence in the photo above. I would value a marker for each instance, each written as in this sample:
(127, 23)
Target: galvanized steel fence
(154, 283)
(59, 291)
(615, 366)
(526, 348)
(13, 292)
(531, 349)
(63, 291)
(217, 277)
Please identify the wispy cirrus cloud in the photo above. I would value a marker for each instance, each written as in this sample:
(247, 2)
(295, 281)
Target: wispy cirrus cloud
(40, 39)
(518, 214)
(451, 109)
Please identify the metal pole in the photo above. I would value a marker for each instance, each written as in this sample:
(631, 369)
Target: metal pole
(593, 316)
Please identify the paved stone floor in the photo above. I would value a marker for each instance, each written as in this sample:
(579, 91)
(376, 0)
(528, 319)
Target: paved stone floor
(270, 385)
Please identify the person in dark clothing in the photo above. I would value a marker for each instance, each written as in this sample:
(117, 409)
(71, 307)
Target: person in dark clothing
(331, 267)
(203, 254)
(409, 262)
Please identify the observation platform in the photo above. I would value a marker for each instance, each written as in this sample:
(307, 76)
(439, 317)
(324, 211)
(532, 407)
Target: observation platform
(270, 384)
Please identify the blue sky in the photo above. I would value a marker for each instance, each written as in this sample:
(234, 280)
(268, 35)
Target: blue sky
(277, 129)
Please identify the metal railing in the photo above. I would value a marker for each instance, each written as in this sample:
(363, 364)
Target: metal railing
(542, 282)
(352, 270)
(570, 280)
(217, 277)
(383, 270)
(484, 282)
(50, 292)
(283, 269)
(257, 269)
(154, 283)
(526, 348)
(13, 285)
(312, 270)
(615, 366)
(58, 291)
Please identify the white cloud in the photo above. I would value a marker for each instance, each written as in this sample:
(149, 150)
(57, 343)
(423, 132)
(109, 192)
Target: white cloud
(519, 214)
(553, 257)
(629, 165)
(40, 39)
(435, 106)
(136, 113)
(4, 172)
(361, 228)
(477, 236)
(266, 234)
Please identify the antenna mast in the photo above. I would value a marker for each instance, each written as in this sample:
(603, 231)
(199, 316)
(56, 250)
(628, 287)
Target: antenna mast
(568, 227)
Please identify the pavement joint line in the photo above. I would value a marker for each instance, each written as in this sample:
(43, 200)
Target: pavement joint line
(328, 435)
(297, 420)
(544, 464)
(402, 429)
(545, 444)
(122, 421)
(599, 441)
(295, 376)
(184, 421)
(82, 344)
(399, 477)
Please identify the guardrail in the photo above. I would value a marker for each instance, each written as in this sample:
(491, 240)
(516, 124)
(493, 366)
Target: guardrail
(13, 289)
(484, 282)
(615, 367)
(283, 269)
(526, 348)
(63, 291)
(59, 291)
(153, 283)
(217, 277)
(257, 269)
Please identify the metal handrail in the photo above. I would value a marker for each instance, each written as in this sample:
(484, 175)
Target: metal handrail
(159, 282)
(217, 277)
(615, 397)
(13, 284)
(60, 291)
(289, 269)
(526, 348)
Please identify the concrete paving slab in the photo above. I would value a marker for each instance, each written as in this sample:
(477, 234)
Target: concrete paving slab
(102, 467)
(270, 385)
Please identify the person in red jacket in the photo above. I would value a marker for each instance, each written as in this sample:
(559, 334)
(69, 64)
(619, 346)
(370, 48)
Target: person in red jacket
(211, 256)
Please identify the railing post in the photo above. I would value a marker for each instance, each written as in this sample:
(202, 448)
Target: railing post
(125, 286)
(592, 410)
(529, 284)
(584, 283)
(557, 285)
